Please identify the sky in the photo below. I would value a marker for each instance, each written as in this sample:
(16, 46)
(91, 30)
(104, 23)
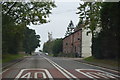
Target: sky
(59, 20)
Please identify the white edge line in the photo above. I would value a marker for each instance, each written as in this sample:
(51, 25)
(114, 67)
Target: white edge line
(78, 70)
(4, 71)
(11, 66)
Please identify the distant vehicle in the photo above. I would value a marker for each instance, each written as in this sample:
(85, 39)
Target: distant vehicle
(46, 53)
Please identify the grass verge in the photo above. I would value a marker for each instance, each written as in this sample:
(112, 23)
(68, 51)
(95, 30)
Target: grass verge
(50, 54)
(111, 62)
(9, 57)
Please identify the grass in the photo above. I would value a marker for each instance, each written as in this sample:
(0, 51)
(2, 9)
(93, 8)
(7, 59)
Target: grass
(111, 62)
(50, 54)
(9, 57)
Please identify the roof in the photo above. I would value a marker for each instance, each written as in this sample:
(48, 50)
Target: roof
(72, 33)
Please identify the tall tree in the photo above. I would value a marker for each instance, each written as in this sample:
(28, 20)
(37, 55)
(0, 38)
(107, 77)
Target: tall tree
(54, 47)
(31, 41)
(70, 28)
(26, 12)
(57, 46)
(89, 14)
(110, 30)
(16, 16)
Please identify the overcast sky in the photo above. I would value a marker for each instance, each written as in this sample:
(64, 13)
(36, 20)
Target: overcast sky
(59, 20)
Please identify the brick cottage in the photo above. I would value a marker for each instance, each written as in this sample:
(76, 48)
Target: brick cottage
(72, 44)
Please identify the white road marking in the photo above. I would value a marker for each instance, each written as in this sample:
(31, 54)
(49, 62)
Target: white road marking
(91, 74)
(101, 67)
(65, 70)
(104, 75)
(46, 71)
(104, 72)
(100, 73)
(4, 71)
(36, 75)
(27, 75)
(78, 70)
(18, 76)
(11, 66)
(62, 70)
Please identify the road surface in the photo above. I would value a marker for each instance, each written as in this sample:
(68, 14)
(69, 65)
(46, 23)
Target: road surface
(54, 68)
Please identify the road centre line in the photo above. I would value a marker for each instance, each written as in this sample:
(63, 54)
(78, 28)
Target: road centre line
(65, 70)
(62, 70)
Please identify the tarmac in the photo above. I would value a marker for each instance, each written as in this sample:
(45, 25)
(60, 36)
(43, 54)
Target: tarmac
(116, 68)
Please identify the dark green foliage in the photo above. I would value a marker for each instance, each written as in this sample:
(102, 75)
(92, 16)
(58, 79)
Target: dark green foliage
(47, 47)
(70, 28)
(15, 17)
(54, 47)
(57, 47)
(106, 18)
(18, 38)
(12, 35)
(31, 40)
(106, 44)
(89, 14)
(26, 12)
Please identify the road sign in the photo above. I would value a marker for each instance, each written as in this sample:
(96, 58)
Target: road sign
(34, 73)
(94, 74)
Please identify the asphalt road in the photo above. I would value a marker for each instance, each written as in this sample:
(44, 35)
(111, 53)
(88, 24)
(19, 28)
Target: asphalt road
(54, 68)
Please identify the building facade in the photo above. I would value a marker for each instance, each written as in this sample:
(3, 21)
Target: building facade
(72, 44)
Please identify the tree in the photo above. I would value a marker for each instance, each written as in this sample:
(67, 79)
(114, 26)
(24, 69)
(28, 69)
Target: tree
(105, 43)
(57, 46)
(54, 47)
(12, 35)
(109, 36)
(70, 28)
(31, 41)
(27, 12)
(89, 14)
(47, 47)
(16, 16)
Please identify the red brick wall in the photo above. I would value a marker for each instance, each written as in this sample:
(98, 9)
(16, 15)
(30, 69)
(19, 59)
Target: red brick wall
(73, 43)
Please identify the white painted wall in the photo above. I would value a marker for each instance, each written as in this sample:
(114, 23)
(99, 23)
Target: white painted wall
(86, 44)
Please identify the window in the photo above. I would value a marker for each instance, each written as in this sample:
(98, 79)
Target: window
(66, 43)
